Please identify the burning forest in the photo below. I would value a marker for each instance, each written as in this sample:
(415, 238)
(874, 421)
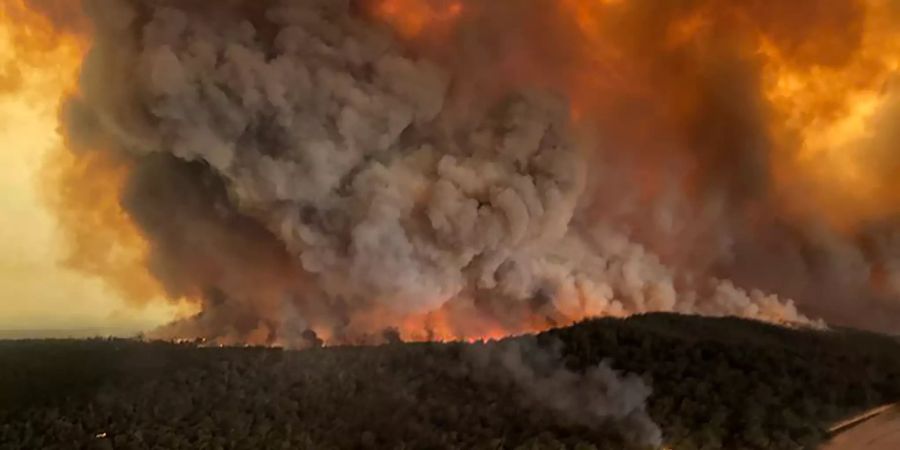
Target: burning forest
(463, 169)
(308, 173)
(297, 173)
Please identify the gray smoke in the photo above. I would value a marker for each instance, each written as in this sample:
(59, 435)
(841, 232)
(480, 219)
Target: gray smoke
(591, 397)
(294, 161)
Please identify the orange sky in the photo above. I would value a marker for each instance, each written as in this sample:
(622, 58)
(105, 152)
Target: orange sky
(832, 160)
(36, 292)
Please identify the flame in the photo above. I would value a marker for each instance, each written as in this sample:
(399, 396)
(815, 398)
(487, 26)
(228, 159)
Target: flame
(827, 104)
(826, 76)
(468, 320)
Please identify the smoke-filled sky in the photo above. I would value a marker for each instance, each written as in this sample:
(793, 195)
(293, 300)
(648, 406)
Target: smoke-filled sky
(36, 291)
(456, 168)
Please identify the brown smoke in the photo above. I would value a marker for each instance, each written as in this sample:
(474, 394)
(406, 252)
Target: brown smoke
(755, 139)
(466, 169)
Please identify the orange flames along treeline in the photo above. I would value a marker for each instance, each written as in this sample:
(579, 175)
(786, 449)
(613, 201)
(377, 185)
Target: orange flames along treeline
(825, 75)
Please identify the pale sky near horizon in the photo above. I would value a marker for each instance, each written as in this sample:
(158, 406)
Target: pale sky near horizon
(36, 292)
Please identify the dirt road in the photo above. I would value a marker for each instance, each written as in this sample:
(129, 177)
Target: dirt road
(880, 432)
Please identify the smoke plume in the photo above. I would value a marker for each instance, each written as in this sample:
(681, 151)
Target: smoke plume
(301, 166)
(358, 171)
(595, 396)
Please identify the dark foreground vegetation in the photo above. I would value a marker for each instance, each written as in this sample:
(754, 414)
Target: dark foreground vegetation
(717, 383)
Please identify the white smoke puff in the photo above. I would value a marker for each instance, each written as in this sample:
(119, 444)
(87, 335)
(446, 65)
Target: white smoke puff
(597, 396)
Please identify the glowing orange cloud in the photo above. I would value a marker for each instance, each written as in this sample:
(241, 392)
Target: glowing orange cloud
(80, 186)
(826, 95)
(412, 18)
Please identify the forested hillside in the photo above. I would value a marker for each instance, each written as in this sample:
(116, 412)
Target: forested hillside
(716, 383)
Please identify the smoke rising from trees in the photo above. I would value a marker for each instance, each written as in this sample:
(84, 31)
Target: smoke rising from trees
(296, 167)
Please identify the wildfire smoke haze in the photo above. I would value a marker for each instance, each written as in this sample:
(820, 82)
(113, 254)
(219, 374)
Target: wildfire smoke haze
(468, 169)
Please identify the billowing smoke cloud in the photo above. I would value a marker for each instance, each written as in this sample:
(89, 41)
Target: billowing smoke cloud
(336, 171)
(743, 140)
(298, 168)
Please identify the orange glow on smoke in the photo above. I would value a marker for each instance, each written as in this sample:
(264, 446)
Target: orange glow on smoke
(84, 193)
(831, 102)
(37, 51)
(836, 120)
(412, 18)
(448, 324)
(81, 187)
(833, 105)
(830, 115)
(463, 319)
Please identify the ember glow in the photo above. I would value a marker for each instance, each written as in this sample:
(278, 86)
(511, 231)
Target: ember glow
(413, 18)
(465, 169)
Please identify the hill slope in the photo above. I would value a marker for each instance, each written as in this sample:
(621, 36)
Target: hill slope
(717, 383)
